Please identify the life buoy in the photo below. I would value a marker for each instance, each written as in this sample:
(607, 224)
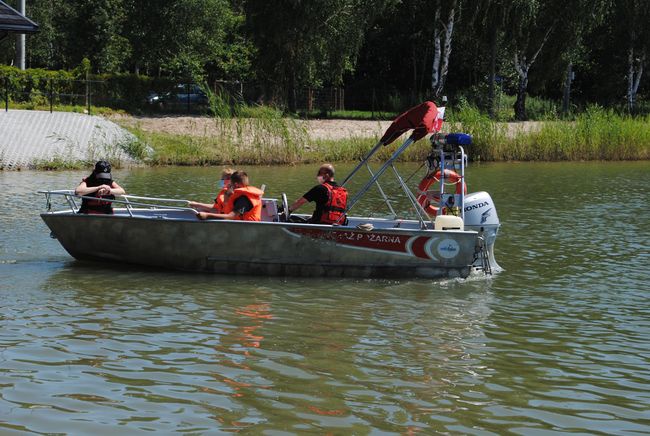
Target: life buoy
(428, 180)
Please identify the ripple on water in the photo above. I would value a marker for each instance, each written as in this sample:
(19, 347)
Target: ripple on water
(555, 343)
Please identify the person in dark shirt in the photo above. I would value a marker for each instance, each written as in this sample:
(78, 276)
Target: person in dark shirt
(99, 184)
(329, 197)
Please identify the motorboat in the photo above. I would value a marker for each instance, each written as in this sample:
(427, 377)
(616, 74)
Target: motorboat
(450, 233)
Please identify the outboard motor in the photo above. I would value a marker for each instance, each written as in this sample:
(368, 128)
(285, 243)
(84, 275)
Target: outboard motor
(481, 216)
(479, 212)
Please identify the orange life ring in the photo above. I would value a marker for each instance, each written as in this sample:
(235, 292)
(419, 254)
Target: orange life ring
(429, 180)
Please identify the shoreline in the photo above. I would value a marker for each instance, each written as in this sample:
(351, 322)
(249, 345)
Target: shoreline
(203, 141)
(317, 129)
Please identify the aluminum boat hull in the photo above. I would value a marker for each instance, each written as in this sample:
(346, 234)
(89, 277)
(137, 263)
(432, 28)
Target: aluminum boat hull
(177, 240)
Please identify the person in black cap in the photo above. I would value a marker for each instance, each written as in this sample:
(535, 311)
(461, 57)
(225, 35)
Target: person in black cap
(99, 184)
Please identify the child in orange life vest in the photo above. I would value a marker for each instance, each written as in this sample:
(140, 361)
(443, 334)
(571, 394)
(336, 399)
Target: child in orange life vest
(221, 200)
(244, 201)
(331, 199)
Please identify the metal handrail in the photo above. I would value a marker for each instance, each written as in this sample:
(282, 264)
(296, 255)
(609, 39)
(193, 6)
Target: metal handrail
(69, 194)
(169, 200)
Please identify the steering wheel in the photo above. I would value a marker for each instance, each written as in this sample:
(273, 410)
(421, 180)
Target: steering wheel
(285, 205)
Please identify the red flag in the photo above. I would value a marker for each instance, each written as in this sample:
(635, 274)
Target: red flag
(421, 118)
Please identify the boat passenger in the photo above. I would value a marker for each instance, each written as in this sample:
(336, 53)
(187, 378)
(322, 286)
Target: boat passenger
(219, 205)
(99, 184)
(244, 202)
(330, 198)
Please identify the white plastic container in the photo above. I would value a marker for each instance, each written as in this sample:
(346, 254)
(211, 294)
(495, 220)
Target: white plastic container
(448, 222)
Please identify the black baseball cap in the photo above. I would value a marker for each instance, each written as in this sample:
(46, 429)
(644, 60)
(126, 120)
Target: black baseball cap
(103, 170)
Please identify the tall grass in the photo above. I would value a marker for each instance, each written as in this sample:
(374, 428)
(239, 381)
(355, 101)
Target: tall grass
(597, 134)
(266, 139)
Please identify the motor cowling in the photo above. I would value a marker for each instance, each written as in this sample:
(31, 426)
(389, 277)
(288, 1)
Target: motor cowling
(480, 210)
(481, 216)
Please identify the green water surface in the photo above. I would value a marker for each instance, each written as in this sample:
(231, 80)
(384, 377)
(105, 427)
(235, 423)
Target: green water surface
(558, 342)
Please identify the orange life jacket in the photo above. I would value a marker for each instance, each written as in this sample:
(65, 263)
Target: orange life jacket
(334, 210)
(254, 195)
(220, 204)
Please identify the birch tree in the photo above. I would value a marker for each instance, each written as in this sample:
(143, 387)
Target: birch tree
(580, 18)
(442, 41)
(636, 15)
(530, 24)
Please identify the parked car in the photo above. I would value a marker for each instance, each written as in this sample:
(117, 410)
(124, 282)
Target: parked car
(179, 97)
(153, 98)
(193, 93)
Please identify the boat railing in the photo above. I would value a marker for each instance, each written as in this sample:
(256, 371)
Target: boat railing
(126, 200)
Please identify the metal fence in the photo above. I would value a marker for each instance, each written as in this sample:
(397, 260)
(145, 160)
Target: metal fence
(88, 94)
(167, 96)
(54, 92)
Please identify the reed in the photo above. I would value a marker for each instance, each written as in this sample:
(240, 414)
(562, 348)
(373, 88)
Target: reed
(598, 134)
(253, 141)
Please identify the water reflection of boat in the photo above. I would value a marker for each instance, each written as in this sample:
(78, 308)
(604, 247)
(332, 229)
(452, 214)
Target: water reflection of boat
(162, 233)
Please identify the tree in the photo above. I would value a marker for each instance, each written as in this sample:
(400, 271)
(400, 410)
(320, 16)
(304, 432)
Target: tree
(440, 66)
(636, 16)
(187, 38)
(584, 17)
(301, 42)
(96, 33)
(529, 26)
(488, 18)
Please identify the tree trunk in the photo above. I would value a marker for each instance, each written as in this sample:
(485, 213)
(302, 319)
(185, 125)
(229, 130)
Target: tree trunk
(520, 103)
(414, 90)
(493, 72)
(446, 50)
(522, 69)
(437, 51)
(630, 80)
(291, 92)
(522, 66)
(635, 72)
(566, 97)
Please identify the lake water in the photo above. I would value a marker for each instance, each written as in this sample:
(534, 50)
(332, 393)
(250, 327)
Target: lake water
(558, 342)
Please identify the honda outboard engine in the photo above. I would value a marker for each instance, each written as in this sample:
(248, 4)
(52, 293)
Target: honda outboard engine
(481, 216)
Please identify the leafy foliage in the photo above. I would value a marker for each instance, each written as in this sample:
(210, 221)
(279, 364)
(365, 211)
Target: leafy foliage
(382, 50)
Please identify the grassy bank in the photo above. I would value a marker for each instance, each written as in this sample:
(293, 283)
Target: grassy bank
(261, 148)
(598, 134)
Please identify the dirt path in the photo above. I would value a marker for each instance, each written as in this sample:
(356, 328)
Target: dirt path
(318, 129)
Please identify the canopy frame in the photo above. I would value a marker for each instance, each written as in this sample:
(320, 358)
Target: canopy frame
(423, 119)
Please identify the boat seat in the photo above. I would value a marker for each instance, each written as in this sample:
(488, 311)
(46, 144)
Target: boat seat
(448, 222)
(270, 210)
